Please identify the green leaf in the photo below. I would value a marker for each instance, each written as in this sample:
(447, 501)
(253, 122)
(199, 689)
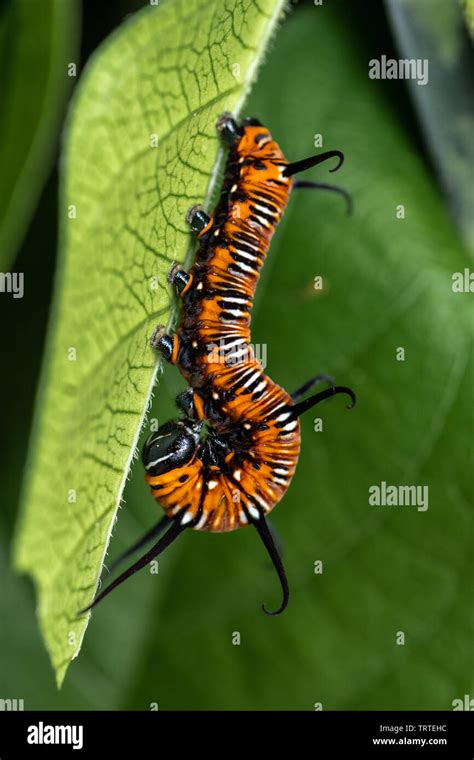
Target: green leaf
(387, 284)
(141, 145)
(468, 8)
(433, 30)
(37, 40)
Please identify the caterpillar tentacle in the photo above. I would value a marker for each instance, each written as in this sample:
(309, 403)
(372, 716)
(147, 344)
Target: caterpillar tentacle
(171, 535)
(309, 184)
(160, 526)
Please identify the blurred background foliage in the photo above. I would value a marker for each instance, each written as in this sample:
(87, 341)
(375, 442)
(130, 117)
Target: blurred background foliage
(166, 638)
(36, 48)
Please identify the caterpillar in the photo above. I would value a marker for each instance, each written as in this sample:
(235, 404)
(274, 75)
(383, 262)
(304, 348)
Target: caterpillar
(230, 458)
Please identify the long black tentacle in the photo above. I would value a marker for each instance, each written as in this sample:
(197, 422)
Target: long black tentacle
(277, 540)
(306, 163)
(308, 403)
(266, 536)
(306, 183)
(321, 378)
(170, 536)
(143, 541)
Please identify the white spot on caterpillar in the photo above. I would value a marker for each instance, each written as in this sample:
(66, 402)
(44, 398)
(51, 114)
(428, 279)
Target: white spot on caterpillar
(251, 379)
(275, 409)
(237, 355)
(244, 267)
(237, 342)
(261, 501)
(245, 255)
(237, 300)
(201, 522)
(265, 209)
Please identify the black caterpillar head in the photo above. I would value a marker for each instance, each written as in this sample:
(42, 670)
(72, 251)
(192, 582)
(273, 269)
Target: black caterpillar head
(230, 131)
(172, 445)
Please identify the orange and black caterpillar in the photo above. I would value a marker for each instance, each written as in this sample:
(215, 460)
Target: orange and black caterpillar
(231, 457)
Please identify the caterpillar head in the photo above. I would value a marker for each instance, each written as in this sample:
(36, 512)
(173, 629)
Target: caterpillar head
(172, 445)
(231, 132)
(228, 128)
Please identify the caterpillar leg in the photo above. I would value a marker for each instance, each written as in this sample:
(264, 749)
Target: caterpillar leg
(199, 221)
(167, 345)
(179, 279)
(154, 531)
(191, 403)
(185, 401)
